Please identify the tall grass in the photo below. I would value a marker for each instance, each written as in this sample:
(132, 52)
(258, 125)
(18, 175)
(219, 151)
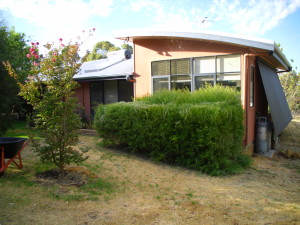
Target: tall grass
(205, 95)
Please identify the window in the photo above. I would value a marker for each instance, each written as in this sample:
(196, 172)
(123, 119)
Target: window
(161, 68)
(205, 65)
(204, 71)
(228, 71)
(228, 64)
(252, 86)
(194, 73)
(180, 66)
(125, 91)
(160, 83)
(181, 82)
(109, 91)
(201, 81)
(96, 95)
(180, 74)
(171, 74)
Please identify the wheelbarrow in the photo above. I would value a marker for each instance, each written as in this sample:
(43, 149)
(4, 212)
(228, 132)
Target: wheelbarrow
(10, 151)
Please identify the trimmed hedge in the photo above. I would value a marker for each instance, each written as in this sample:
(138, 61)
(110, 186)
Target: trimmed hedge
(202, 130)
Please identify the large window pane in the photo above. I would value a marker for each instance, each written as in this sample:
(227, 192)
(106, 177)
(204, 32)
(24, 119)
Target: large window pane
(231, 81)
(228, 63)
(181, 82)
(160, 68)
(110, 91)
(96, 95)
(229, 76)
(160, 84)
(180, 66)
(228, 69)
(204, 65)
(125, 91)
(201, 81)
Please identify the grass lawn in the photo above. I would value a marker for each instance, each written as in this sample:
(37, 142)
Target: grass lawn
(19, 130)
(127, 189)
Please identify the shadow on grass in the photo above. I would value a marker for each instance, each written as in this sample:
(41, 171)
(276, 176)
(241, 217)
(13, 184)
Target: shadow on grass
(21, 130)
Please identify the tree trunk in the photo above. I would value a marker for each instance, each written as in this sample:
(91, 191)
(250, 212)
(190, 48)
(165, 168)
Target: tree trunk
(62, 172)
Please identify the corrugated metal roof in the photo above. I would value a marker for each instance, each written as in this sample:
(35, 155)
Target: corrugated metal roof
(115, 65)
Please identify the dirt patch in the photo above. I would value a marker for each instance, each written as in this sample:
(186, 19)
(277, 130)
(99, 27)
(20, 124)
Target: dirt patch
(73, 177)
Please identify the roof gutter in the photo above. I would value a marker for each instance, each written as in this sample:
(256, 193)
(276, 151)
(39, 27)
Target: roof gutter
(121, 77)
(277, 53)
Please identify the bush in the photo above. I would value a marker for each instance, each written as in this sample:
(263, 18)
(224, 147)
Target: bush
(202, 130)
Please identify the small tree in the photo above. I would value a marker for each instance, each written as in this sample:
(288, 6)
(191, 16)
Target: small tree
(49, 89)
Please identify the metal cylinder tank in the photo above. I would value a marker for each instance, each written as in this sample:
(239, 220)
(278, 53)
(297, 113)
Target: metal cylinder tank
(263, 136)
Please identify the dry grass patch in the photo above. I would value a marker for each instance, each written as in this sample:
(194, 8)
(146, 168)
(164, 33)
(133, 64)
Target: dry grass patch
(144, 192)
(289, 140)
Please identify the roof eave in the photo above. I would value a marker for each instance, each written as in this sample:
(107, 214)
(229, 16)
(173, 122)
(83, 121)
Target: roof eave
(258, 43)
(110, 76)
(209, 36)
(280, 57)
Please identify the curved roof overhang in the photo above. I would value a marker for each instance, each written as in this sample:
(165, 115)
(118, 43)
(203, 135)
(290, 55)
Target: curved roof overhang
(272, 54)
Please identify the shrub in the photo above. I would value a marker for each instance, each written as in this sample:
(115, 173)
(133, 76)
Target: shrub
(202, 130)
(49, 89)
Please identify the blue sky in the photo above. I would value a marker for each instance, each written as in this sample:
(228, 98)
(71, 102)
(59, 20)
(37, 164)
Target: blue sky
(48, 20)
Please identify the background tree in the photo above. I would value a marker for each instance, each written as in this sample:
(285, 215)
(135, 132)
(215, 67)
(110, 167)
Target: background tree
(291, 85)
(49, 89)
(103, 47)
(13, 48)
(100, 50)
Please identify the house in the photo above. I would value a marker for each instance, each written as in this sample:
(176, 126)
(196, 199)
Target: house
(105, 81)
(178, 60)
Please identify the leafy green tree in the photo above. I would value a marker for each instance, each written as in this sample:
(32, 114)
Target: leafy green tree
(100, 50)
(49, 89)
(103, 47)
(94, 56)
(13, 48)
(113, 48)
(291, 85)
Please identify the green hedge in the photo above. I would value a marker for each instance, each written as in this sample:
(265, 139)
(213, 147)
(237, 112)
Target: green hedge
(202, 130)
